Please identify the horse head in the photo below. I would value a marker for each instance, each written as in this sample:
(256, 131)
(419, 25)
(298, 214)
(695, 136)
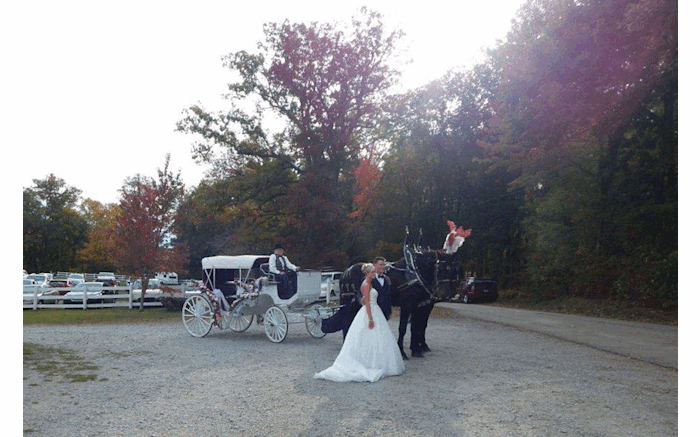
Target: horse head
(432, 274)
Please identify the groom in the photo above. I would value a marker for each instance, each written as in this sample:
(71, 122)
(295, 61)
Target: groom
(382, 284)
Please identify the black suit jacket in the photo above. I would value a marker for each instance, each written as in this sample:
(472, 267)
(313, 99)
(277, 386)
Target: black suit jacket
(384, 298)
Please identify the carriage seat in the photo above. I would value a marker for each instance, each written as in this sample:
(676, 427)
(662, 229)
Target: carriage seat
(265, 268)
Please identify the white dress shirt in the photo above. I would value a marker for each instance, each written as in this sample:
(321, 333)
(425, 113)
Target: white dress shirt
(285, 263)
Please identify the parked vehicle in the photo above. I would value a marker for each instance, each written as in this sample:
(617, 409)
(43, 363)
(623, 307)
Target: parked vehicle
(94, 293)
(62, 285)
(153, 290)
(478, 290)
(107, 278)
(24, 274)
(167, 278)
(334, 279)
(77, 277)
(30, 287)
(41, 279)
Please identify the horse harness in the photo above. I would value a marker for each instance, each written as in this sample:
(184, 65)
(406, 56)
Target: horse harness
(413, 277)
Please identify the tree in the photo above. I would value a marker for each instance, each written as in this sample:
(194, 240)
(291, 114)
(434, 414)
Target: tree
(434, 172)
(53, 230)
(98, 253)
(145, 243)
(586, 91)
(327, 85)
(571, 72)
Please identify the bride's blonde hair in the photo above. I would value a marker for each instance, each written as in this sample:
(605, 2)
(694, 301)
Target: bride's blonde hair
(367, 268)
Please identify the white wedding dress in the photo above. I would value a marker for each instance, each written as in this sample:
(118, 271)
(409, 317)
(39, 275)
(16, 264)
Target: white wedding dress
(367, 354)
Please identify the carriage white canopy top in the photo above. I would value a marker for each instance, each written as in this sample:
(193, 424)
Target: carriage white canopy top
(231, 262)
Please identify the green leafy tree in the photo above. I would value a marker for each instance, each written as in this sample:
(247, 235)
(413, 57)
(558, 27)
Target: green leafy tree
(434, 171)
(584, 91)
(54, 231)
(235, 215)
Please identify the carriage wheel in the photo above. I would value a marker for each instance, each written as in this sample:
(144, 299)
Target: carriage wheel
(276, 325)
(197, 316)
(313, 324)
(239, 322)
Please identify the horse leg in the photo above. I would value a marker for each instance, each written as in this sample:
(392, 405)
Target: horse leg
(417, 315)
(423, 344)
(403, 322)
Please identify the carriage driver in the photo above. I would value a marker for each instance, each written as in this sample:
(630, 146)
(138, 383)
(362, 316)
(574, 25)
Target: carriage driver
(285, 272)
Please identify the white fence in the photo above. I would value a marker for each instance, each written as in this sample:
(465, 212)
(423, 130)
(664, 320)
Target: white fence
(111, 297)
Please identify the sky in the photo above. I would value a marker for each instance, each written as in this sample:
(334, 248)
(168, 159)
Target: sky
(96, 87)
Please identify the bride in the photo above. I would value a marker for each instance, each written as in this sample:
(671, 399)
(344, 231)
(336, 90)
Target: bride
(370, 351)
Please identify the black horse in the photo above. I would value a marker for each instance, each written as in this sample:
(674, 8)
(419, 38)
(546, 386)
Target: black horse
(418, 280)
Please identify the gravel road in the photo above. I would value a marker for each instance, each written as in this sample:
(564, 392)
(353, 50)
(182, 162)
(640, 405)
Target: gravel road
(482, 379)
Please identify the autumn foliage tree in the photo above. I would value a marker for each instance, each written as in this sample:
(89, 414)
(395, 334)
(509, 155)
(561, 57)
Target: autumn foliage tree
(326, 85)
(98, 252)
(144, 240)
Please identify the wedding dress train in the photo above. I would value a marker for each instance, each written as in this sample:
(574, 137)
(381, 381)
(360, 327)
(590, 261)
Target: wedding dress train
(367, 354)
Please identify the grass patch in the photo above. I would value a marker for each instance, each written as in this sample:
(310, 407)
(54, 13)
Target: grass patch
(58, 363)
(102, 315)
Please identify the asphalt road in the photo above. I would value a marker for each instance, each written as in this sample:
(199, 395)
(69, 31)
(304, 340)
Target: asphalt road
(655, 344)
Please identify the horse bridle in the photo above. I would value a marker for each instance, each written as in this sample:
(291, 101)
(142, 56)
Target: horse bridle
(411, 271)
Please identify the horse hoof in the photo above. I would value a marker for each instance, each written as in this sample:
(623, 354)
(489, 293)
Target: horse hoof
(417, 354)
(426, 349)
(404, 356)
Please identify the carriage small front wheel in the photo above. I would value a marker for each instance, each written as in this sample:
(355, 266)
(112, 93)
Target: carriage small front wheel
(276, 326)
(240, 322)
(197, 315)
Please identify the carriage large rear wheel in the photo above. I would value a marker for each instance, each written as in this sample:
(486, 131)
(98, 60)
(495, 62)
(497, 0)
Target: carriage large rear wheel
(276, 326)
(313, 324)
(197, 315)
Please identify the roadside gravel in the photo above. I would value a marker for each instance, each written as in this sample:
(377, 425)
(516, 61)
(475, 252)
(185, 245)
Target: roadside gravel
(482, 379)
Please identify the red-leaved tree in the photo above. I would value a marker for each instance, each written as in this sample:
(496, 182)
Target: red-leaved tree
(145, 243)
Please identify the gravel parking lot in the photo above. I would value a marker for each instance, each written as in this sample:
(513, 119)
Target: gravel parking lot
(482, 379)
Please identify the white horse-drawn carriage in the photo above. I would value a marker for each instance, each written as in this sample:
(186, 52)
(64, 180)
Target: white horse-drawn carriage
(240, 289)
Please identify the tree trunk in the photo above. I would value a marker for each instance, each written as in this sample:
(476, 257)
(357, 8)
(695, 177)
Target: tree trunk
(144, 286)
